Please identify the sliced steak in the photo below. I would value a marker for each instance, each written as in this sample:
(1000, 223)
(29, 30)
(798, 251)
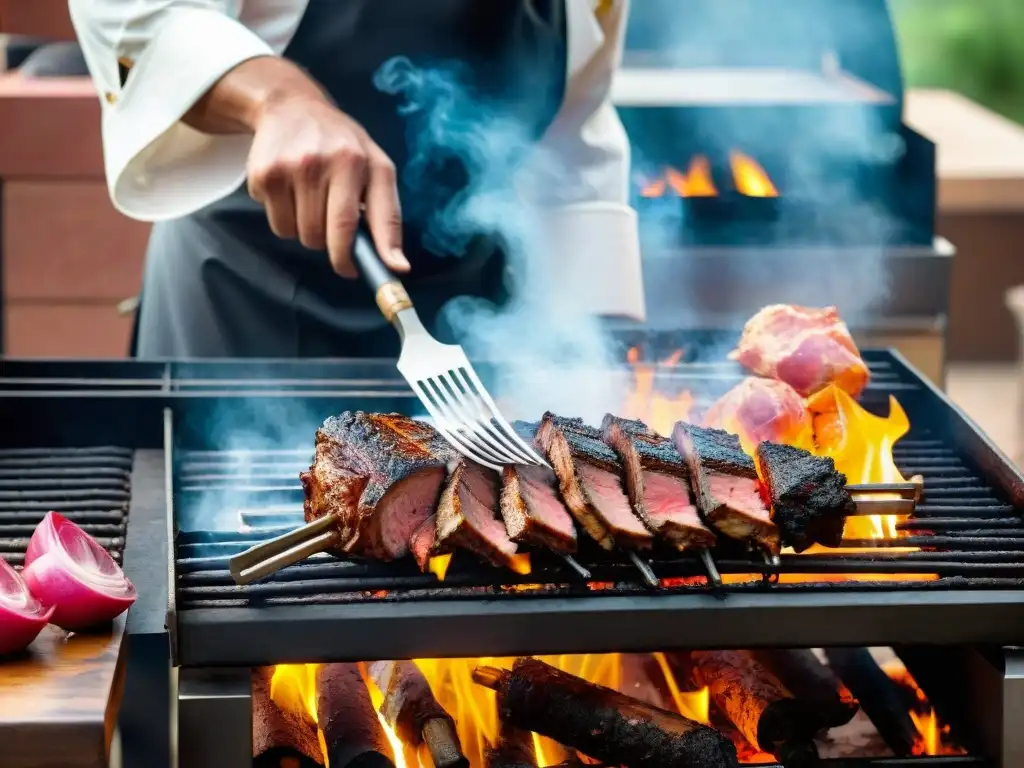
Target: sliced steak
(467, 516)
(808, 496)
(533, 512)
(421, 543)
(379, 476)
(725, 482)
(656, 480)
(588, 474)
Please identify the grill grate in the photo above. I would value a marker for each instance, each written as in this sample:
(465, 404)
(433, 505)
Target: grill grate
(89, 486)
(966, 531)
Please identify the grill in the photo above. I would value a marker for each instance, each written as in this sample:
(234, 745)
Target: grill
(967, 526)
(89, 486)
(223, 442)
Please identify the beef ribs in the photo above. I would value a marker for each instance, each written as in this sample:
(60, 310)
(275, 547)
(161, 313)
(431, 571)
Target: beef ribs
(588, 474)
(467, 516)
(725, 482)
(656, 480)
(379, 476)
(808, 496)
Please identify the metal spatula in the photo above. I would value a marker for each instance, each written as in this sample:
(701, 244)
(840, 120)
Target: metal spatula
(441, 375)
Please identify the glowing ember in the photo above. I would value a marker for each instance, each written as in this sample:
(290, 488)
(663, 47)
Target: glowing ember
(933, 737)
(751, 179)
(657, 410)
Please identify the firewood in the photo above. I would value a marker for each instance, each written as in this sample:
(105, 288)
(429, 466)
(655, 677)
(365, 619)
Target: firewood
(277, 735)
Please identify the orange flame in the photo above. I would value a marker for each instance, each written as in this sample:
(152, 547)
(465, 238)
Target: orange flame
(750, 178)
(697, 181)
(657, 410)
(932, 736)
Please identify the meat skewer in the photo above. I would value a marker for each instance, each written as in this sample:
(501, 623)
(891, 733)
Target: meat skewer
(809, 500)
(725, 484)
(588, 474)
(278, 735)
(352, 733)
(768, 715)
(803, 675)
(374, 479)
(602, 723)
(658, 486)
(411, 709)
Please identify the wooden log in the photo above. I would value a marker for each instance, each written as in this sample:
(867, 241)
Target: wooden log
(882, 699)
(768, 715)
(279, 736)
(352, 732)
(513, 750)
(413, 711)
(602, 723)
(803, 675)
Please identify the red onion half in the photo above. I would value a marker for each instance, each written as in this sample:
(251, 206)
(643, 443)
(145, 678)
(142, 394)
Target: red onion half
(67, 569)
(22, 616)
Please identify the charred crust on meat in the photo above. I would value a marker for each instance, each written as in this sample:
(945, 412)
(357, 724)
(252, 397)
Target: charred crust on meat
(810, 502)
(541, 522)
(360, 459)
(718, 450)
(657, 453)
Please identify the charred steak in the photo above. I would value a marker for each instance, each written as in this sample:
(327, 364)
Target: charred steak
(467, 516)
(725, 482)
(656, 480)
(379, 476)
(808, 495)
(588, 474)
(533, 512)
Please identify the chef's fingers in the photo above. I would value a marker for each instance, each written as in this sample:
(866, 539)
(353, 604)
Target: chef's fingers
(342, 219)
(383, 209)
(311, 180)
(272, 188)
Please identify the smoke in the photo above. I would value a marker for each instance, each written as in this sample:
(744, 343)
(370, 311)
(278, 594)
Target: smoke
(545, 348)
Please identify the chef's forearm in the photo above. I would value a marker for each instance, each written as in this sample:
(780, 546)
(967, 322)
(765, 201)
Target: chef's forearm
(237, 101)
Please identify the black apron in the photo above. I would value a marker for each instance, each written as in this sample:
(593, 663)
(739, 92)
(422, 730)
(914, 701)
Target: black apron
(219, 283)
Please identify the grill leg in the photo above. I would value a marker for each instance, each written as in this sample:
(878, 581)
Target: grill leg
(214, 718)
(997, 697)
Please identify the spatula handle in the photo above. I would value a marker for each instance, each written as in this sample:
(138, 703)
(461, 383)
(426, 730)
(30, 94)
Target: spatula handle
(387, 289)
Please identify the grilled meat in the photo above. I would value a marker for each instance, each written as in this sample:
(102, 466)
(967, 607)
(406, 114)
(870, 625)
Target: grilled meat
(724, 480)
(411, 709)
(656, 480)
(761, 409)
(467, 516)
(602, 723)
(807, 348)
(379, 476)
(421, 543)
(808, 496)
(351, 730)
(588, 474)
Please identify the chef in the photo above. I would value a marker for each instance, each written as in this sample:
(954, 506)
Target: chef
(252, 134)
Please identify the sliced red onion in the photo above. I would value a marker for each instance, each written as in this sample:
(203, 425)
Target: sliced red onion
(22, 617)
(67, 569)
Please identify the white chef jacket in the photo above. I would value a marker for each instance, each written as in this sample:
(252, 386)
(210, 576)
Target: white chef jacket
(158, 168)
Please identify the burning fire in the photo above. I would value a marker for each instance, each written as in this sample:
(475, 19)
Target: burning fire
(859, 442)
(750, 178)
(658, 411)
(933, 737)
(695, 182)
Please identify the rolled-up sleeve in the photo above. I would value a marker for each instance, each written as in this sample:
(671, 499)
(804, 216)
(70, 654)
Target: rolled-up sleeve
(173, 51)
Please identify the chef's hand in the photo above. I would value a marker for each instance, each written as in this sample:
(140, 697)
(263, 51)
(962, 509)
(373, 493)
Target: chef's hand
(314, 168)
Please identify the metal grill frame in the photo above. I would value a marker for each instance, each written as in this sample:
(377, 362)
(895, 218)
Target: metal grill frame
(959, 613)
